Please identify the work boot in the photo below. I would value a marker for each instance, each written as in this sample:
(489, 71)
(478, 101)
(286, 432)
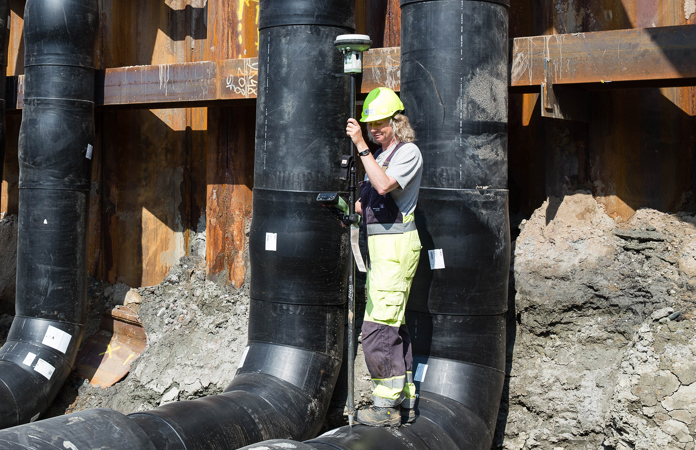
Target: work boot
(408, 415)
(379, 416)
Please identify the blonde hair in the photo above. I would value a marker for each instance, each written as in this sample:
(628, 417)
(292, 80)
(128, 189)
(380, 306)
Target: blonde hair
(402, 129)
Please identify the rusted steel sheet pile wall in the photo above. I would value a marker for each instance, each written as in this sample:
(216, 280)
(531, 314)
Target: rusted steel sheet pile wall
(638, 149)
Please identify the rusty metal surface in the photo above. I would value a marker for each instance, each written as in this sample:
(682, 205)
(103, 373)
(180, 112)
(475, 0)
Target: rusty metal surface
(230, 180)
(382, 22)
(181, 84)
(381, 67)
(108, 355)
(9, 188)
(150, 189)
(637, 151)
(655, 54)
(658, 55)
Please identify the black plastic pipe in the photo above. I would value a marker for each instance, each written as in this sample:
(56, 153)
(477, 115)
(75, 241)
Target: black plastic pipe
(298, 254)
(56, 140)
(454, 87)
(4, 26)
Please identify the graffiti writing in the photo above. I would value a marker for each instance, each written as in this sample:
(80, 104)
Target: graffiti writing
(244, 82)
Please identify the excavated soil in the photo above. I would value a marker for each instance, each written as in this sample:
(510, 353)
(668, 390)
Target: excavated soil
(601, 347)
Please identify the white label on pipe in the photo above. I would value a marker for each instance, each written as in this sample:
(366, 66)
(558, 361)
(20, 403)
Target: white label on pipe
(437, 259)
(271, 242)
(89, 151)
(28, 361)
(244, 355)
(44, 369)
(57, 339)
(45, 222)
(421, 370)
(355, 245)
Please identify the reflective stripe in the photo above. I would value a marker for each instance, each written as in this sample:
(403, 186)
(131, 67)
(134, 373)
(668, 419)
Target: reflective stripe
(390, 383)
(409, 392)
(390, 228)
(388, 391)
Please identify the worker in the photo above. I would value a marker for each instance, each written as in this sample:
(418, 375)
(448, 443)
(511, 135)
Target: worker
(387, 202)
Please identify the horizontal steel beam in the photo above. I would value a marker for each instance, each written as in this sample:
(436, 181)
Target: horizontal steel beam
(647, 57)
(201, 83)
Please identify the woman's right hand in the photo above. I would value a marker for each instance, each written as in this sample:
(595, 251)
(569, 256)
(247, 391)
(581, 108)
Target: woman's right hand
(354, 131)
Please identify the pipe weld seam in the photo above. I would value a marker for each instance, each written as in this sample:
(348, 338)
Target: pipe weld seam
(160, 419)
(292, 348)
(314, 191)
(505, 3)
(41, 346)
(322, 24)
(77, 324)
(58, 99)
(84, 190)
(79, 66)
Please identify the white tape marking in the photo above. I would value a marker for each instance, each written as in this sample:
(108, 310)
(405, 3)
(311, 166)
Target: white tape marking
(89, 151)
(56, 338)
(29, 360)
(421, 370)
(437, 259)
(45, 222)
(244, 355)
(271, 242)
(45, 369)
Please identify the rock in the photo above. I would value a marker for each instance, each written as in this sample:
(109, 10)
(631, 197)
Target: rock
(650, 235)
(133, 300)
(661, 313)
(170, 396)
(677, 429)
(652, 389)
(683, 398)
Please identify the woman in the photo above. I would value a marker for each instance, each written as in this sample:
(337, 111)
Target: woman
(387, 202)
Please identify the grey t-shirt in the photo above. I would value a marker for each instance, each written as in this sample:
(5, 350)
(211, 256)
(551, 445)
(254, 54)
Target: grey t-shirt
(406, 167)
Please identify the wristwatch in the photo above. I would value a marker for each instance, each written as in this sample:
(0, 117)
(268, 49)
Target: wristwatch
(364, 152)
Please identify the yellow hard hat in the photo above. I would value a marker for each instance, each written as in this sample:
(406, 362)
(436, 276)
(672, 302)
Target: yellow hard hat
(381, 103)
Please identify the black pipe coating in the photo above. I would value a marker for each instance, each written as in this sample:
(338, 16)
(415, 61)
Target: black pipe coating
(454, 87)
(56, 140)
(4, 25)
(298, 252)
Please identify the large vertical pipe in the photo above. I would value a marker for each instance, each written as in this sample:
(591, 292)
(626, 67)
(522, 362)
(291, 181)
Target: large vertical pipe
(55, 150)
(4, 24)
(454, 78)
(454, 87)
(298, 252)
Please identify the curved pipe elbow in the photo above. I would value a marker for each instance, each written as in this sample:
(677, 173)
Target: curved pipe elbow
(54, 185)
